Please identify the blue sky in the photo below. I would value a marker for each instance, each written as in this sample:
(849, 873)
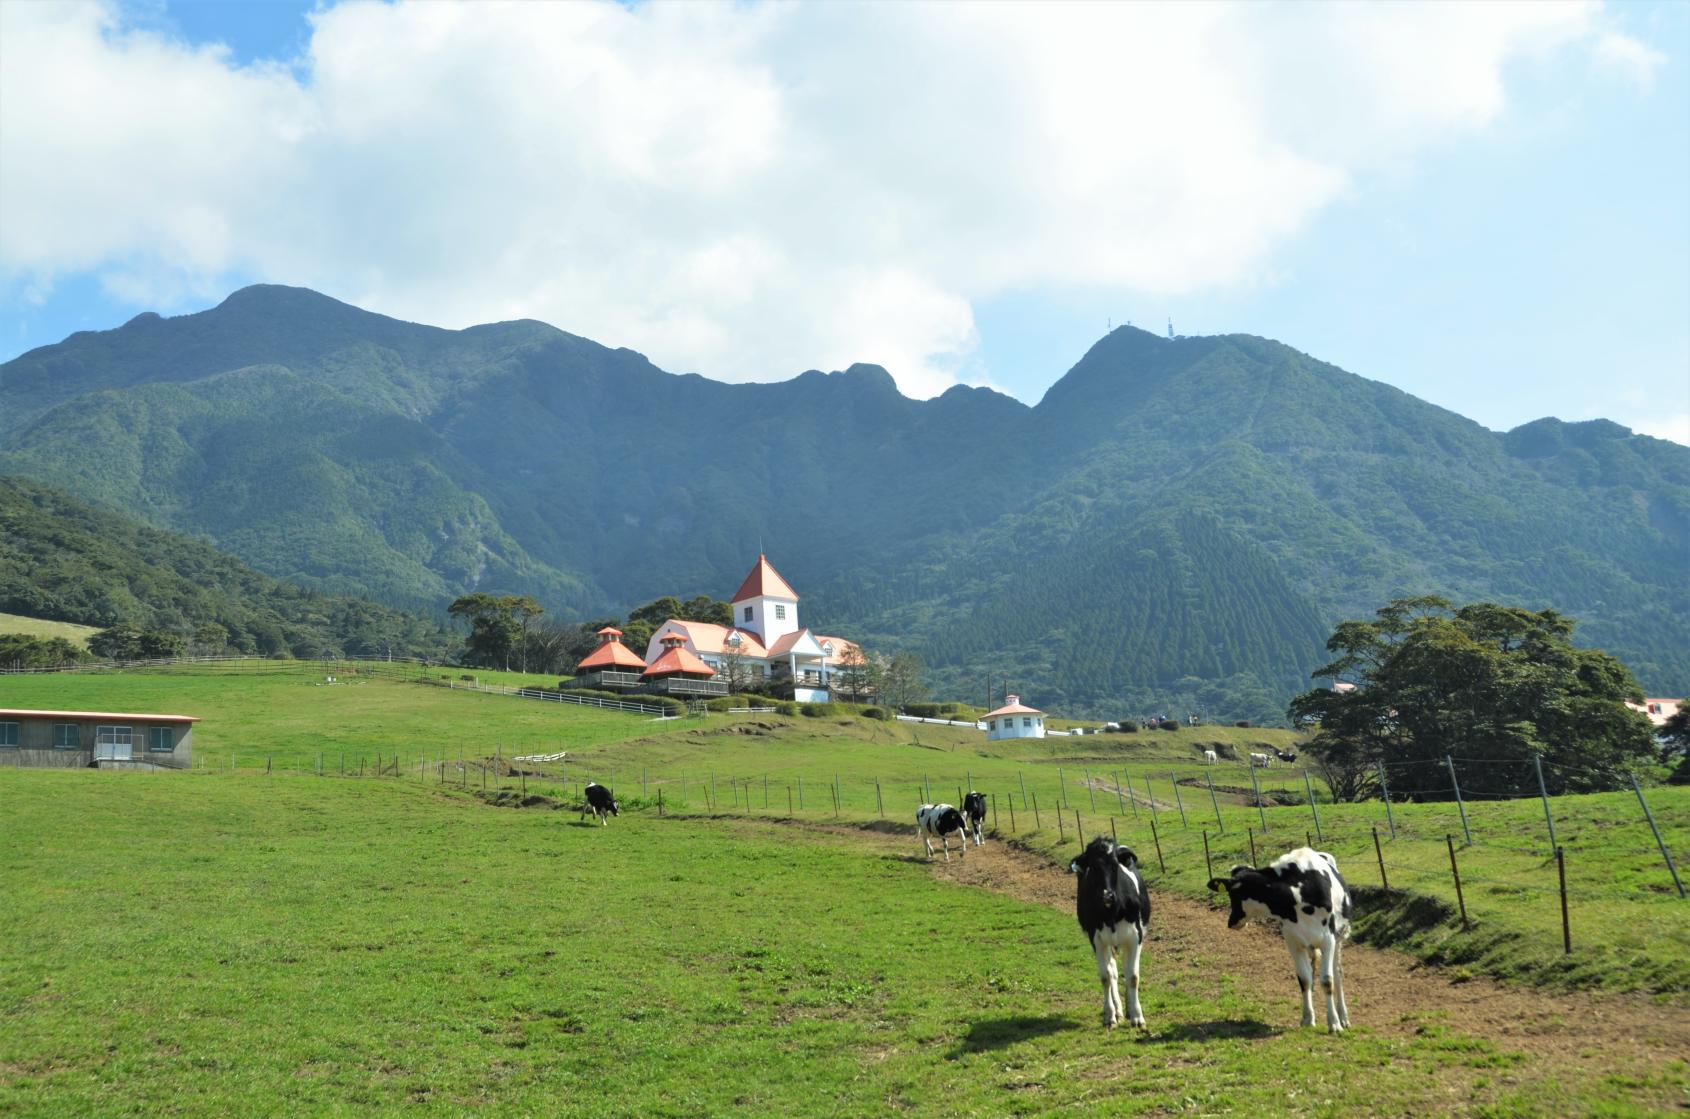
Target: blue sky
(1489, 209)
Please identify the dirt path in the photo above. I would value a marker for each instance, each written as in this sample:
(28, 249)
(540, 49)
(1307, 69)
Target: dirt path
(1387, 991)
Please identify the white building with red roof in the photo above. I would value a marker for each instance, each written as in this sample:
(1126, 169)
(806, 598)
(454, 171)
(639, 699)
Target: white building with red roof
(611, 665)
(1015, 720)
(765, 645)
(1659, 709)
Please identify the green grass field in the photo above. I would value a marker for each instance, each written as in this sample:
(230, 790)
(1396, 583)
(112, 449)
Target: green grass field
(1628, 924)
(41, 627)
(217, 944)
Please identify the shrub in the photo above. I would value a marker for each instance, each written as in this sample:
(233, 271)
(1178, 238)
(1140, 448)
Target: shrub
(467, 676)
(925, 710)
(874, 713)
(721, 703)
(787, 707)
(812, 710)
(1168, 724)
(1242, 723)
(1128, 727)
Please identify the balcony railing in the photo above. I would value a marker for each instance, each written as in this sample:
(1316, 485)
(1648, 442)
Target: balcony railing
(611, 679)
(680, 685)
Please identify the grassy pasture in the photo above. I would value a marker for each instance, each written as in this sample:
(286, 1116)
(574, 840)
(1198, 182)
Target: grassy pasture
(41, 627)
(215, 944)
(1630, 929)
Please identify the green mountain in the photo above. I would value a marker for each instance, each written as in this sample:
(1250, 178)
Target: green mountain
(1178, 522)
(63, 560)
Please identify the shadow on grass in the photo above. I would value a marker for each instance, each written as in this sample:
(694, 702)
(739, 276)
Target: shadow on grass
(996, 1033)
(1222, 1030)
(584, 824)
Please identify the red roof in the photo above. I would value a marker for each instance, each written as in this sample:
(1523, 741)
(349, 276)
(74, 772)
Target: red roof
(612, 654)
(764, 580)
(1014, 707)
(677, 660)
(19, 712)
(612, 630)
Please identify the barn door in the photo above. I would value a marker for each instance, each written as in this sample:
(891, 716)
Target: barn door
(113, 744)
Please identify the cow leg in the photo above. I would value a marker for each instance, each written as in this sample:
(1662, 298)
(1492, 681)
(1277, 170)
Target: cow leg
(604, 818)
(927, 842)
(945, 843)
(1135, 942)
(1300, 960)
(1337, 1015)
(1106, 975)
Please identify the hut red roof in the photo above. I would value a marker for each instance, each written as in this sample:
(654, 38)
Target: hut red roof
(678, 660)
(764, 580)
(611, 654)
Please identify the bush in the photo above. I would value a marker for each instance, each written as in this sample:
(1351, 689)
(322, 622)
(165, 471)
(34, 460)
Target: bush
(787, 707)
(812, 710)
(1168, 724)
(1128, 727)
(925, 710)
(1242, 723)
(722, 703)
(874, 712)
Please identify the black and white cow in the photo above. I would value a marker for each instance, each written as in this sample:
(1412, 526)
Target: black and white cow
(943, 821)
(1285, 755)
(599, 802)
(1114, 911)
(974, 808)
(1303, 892)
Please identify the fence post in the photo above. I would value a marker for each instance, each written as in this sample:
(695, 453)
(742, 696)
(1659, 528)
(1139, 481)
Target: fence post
(1252, 832)
(1543, 791)
(1079, 830)
(660, 801)
(800, 793)
(1150, 799)
(1566, 927)
(1062, 791)
(1380, 853)
(1023, 779)
(1260, 811)
(1456, 871)
(1061, 827)
(1038, 825)
(1112, 834)
(879, 804)
(1389, 819)
(1459, 803)
(1120, 804)
(1013, 830)
(765, 790)
(1665, 854)
(1158, 839)
(1091, 791)
(1132, 798)
(789, 802)
(1173, 779)
(1208, 865)
(1309, 788)
(926, 789)
(1215, 801)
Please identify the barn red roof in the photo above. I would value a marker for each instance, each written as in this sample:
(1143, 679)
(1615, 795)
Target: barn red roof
(1014, 707)
(678, 660)
(612, 654)
(764, 580)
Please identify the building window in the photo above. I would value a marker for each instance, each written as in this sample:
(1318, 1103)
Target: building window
(8, 734)
(158, 740)
(114, 736)
(780, 612)
(1026, 720)
(66, 736)
(748, 613)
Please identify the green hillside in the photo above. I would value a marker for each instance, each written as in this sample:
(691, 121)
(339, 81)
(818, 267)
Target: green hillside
(1175, 526)
(64, 561)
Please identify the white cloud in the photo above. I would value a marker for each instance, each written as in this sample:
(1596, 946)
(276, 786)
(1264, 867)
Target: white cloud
(739, 190)
(1664, 425)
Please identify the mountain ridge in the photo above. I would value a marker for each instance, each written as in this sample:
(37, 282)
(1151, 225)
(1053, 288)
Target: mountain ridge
(350, 451)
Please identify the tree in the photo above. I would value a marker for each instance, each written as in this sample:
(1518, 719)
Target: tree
(492, 630)
(899, 681)
(19, 650)
(851, 674)
(734, 668)
(703, 608)
(524, 608)
(210, 639)
(1498, 684)
(121, 642)
(1675, 738)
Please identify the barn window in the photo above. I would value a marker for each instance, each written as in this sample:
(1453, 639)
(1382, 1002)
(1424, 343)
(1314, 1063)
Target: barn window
(66, 736)
(158, 740)
(8, 734)
(748, 613)
(780, 611)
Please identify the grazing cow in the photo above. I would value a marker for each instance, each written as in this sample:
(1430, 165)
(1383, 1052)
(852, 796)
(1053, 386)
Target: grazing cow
(940, 820)
(974, 808)
(1114, 911)
(1285, 755)
(1303, 892)
(1208, 757)
(1260, 761)
(599, 802)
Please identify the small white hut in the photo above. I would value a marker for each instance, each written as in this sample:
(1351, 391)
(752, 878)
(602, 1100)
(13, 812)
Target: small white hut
(1015, 720)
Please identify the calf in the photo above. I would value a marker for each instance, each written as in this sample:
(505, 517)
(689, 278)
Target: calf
(974, 808)
(1208, 757)
(1303, 892)
(1285, 755)
(1260, 761)
(940, 820)
(1114, 911)
(599, 802)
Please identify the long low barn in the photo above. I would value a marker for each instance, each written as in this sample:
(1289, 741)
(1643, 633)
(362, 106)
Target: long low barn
(73, 739)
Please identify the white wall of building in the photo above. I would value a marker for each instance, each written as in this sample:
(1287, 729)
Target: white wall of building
(773, 618)
(1015, 726)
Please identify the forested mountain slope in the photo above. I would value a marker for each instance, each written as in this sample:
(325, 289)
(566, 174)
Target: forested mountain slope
(1178, 521)
(63, 560)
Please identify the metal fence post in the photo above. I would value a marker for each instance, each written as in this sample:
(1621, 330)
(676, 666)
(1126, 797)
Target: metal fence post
(1454, 870)
(1092, 792)
(1459, 803)
(1309, 787)
(1543, 791)
(1173, 779)
(1566, 926)
(1120, 803)
(1257, 786)
(1215, 802)
(1659, 842)
(1378, 851)
(1022, 777)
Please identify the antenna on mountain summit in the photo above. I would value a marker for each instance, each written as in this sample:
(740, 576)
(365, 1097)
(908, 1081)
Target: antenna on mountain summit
(1170, 328)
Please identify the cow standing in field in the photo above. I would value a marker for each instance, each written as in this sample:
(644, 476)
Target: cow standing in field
(1208, 757)
(1303, 892)
(943, 821)
(1286, 756)
(974, 808)
(1260, 761)
(599, 802)
(1114, 911)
